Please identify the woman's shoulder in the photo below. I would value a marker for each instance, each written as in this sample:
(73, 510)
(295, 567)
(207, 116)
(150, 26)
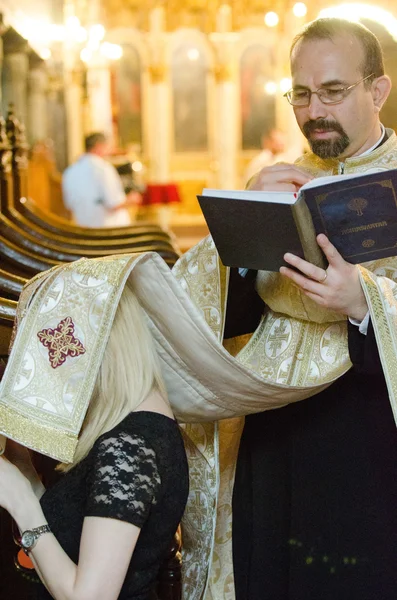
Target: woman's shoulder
(124, 479)
(141, 423)
(122, 440)
(138, 431)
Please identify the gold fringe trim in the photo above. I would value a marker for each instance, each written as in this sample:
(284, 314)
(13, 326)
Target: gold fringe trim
(383, 333)
(56, 443)
(107, 267)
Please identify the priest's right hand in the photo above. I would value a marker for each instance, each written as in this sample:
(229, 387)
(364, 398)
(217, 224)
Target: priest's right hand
(281, 177)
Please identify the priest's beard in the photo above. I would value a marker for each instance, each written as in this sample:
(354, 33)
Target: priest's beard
(326, 148)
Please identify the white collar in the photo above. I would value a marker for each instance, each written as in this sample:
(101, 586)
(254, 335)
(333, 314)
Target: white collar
(382, 128)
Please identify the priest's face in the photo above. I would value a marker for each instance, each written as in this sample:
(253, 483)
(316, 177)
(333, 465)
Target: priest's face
(335, 130)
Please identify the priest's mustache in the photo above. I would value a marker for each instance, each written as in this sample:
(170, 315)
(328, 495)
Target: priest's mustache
(323, 125)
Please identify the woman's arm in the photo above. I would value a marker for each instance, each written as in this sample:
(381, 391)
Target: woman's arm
(106, 545)
(106, 548)
(21, 458)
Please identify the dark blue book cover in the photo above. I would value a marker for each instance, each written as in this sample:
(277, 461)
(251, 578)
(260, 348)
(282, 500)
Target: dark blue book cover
(359, 215)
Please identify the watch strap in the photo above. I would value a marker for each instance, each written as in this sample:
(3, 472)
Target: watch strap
(36, 532)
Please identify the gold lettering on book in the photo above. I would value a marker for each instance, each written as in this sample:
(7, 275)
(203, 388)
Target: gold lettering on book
(364, 227)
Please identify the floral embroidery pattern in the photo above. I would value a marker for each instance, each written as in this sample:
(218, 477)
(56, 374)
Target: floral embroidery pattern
(61, 342)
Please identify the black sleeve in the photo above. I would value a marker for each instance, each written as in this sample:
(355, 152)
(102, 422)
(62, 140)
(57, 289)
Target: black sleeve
(363, 350)
(244, 306)
(124, 481)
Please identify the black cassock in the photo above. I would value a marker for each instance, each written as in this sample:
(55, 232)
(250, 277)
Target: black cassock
(315, 494)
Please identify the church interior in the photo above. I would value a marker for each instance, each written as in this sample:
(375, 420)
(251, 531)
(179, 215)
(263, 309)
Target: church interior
(184, 90)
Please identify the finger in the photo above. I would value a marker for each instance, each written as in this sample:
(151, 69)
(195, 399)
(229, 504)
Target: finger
(316, 273)
(282, 172)
(257, 185)
(269, 178)
(305, 284)
(280, 166)
(316, 298)
(333, 256)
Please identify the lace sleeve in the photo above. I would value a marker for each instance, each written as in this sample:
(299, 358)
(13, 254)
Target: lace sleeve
(124, 481)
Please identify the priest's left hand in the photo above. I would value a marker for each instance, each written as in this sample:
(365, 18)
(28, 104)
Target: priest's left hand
(338, 288)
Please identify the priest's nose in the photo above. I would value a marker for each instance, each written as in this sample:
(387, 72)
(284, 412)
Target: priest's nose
(316, 109)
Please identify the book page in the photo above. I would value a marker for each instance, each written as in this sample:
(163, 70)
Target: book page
(334, 178)
(253, 195)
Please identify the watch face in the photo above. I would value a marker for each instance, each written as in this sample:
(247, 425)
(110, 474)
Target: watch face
(28, 539)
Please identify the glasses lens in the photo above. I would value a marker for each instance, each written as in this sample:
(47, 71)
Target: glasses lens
(299, 97)
(329, 96)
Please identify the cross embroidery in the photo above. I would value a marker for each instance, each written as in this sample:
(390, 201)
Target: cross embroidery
(61, 342)
(211, 319)
(198, 511)
(85, 279)
(207, 289)
(331, 344)
(278, 337)
(53, 294)
(25, 371)
(283, 373)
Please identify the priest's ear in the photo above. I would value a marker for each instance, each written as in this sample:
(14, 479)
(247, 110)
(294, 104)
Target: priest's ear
(380, 88)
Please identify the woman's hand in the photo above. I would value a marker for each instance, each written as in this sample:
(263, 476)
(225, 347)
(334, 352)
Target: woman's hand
(338, 288)
(21, 457)
(17, 454)
(16, 493)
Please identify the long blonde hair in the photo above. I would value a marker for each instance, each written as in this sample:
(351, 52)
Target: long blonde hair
(129, 371)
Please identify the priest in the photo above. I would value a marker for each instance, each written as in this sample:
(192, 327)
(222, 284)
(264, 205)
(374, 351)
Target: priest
(306, 508)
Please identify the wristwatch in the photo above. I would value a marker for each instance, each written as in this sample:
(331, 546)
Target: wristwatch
(30, 537)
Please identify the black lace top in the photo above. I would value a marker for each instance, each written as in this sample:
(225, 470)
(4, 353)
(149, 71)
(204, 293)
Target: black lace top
(137, 473)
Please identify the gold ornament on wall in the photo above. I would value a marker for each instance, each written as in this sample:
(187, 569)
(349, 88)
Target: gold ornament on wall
(223, 72)
(158, 73)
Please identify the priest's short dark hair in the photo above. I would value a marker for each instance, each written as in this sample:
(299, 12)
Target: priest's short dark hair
(330, 28)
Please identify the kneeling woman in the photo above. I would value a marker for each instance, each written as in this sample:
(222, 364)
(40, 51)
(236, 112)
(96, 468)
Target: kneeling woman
(102, 531)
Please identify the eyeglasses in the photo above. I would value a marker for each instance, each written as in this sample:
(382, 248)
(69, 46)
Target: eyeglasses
(302, 97)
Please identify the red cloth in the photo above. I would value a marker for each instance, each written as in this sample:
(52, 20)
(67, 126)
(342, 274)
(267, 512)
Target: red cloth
(160, 193)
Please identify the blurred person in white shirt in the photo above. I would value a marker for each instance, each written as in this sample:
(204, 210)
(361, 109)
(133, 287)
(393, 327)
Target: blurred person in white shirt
(274, 150)
(93, 190)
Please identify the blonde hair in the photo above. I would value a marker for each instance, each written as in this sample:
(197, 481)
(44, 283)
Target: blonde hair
(129, 371)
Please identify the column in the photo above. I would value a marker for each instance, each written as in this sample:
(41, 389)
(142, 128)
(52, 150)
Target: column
(2, 106)
(99, 96)
(37, 125)
(15, 83)
(73, 75)
(160, 105)
(160, 111)
(227, 128)
(73, 95)
(285, 112)
(159, 114)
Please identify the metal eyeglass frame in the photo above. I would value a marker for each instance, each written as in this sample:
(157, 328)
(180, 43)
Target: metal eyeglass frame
(344, 91)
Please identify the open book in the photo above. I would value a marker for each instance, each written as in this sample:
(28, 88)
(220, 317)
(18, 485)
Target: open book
(254, 229)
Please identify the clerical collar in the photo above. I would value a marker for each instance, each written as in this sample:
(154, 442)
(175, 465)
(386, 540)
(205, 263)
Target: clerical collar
(383, 138)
